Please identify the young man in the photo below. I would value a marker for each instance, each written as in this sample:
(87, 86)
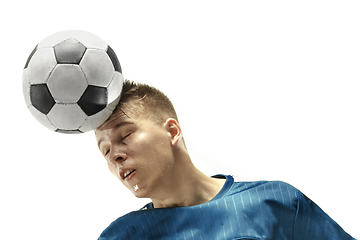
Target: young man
(143, 144)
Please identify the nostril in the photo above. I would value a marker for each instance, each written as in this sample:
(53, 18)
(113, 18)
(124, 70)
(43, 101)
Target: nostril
(117, 157)
(120, 158)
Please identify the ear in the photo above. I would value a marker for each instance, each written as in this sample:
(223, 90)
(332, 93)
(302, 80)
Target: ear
(173, 127)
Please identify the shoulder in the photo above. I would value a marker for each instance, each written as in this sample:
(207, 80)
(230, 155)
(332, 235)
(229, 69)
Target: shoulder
(266, 190)
(273, 185)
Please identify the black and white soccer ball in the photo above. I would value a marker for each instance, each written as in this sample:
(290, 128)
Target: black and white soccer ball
(72, 81)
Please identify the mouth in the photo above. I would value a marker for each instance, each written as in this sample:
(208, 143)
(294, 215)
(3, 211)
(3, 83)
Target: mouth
(127, 174)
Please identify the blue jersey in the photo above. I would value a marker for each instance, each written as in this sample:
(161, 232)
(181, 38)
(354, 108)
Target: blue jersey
(241, 210)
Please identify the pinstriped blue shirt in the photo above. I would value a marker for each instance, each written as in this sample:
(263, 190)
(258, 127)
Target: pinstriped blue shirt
(241, 210)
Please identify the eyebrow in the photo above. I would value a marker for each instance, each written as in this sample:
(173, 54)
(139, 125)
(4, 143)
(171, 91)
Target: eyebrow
(121, 124)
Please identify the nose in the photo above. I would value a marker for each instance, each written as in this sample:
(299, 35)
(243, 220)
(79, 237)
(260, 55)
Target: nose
(117, 156)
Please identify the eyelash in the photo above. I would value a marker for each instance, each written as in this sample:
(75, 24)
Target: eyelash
(125, 136)
(106, 153)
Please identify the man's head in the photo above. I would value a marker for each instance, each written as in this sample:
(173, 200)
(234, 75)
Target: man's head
(142, 137)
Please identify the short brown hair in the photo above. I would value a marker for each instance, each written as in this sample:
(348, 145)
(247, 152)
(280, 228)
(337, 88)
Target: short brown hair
(153, 102)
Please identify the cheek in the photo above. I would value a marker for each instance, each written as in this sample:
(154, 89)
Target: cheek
(161, 158)
(142, 144)
(152, 148)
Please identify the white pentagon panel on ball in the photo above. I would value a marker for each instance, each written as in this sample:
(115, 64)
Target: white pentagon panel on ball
(114, 90)
(67, 83)
(26, 88)
(41, 65)
(96, 120)
(42, 118)
(97, 67)
(67, 116)
(88, 39)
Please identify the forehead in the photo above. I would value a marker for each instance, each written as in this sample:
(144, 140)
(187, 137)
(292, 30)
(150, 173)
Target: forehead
(116, 122)
(123, 115)
(124, 112)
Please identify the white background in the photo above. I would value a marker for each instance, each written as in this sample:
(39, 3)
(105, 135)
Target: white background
(263, 89)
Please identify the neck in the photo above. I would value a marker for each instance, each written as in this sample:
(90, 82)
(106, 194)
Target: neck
(186, 187)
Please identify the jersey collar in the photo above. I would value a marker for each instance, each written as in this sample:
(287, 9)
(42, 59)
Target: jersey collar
(229, 182)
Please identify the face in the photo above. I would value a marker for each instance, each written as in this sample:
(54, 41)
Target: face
(138, 151)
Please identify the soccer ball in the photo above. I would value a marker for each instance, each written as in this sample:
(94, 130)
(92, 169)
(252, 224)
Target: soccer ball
(72, 81)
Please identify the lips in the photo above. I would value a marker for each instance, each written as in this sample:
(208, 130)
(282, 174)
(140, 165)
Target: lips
(127, 174)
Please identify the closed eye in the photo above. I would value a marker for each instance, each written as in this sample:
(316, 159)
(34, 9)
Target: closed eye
(126, 135)
(106, 153)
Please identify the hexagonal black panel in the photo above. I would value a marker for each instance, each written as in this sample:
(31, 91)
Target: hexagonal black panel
(114, 59)
(41, 98)
(69, 51)
(93, 100)
(68, 131)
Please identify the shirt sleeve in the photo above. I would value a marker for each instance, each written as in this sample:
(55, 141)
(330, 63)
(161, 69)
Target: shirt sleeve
(311, 222)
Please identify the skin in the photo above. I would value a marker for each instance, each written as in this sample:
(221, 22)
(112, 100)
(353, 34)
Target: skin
(164, 172)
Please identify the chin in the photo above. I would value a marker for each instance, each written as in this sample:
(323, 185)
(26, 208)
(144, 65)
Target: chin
(140, 195)
(139, 192)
